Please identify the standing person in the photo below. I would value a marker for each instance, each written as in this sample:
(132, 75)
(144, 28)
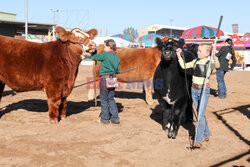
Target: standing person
(110, 65)
(200, 66)
(224, 55)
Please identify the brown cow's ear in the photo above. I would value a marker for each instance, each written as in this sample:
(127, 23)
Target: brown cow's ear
(92, 33)
(62, 33)
(165, 38)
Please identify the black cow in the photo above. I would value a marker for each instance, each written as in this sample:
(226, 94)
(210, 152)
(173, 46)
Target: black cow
(193, 47)
(171, 86)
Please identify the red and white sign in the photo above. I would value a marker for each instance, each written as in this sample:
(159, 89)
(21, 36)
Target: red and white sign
(238, 43)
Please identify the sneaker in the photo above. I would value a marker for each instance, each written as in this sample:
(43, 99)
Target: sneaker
(197, 145)
(205, 139)
(115, 121)
(106, 122)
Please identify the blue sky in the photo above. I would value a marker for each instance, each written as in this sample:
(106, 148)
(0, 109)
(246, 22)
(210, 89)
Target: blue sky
(116, 15)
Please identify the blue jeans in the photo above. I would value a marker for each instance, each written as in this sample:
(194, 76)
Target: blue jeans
(202, 130)
(109, 109)
(222, 90)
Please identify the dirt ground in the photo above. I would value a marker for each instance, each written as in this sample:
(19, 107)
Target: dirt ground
(28, 139)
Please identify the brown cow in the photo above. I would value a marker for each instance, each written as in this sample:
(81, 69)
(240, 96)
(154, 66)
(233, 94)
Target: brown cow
(143, 60)
(50, 66)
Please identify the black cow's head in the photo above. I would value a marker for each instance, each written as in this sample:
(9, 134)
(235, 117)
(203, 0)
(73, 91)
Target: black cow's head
(168, 47)
(193, 47)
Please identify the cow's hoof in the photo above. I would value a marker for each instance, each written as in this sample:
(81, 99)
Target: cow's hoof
(53, 121)
(165, 129)
(63, 117)
(174, 134)
(170, 134)
(91, 100)
(150, 103)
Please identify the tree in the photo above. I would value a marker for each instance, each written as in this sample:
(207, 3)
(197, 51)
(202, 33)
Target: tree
(130, 31)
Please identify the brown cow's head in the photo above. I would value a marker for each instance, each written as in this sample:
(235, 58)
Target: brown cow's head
(78, 36)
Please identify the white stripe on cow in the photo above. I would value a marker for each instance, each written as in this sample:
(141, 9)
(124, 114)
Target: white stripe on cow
(167, 98)
(80, 33)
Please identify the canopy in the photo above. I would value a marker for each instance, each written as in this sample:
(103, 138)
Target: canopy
(246, 37)
(125, 37)
(149, 37)
(201, 32)
(148, 40)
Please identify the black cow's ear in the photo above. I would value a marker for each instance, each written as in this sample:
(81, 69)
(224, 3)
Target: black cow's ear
(159, 43)
(181, 42)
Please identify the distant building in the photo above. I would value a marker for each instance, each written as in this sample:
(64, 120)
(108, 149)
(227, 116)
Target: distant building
(170, 31)
(9, 26)
(163, 30)
(7, 16)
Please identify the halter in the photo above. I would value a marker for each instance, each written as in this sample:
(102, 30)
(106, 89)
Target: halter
(82, 34)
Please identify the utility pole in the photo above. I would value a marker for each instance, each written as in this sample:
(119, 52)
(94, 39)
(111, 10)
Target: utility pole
(54, 26)
(26, 19)
(171, 20)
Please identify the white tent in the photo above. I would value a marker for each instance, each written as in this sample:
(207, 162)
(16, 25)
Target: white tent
(119, 42)
(100, 40)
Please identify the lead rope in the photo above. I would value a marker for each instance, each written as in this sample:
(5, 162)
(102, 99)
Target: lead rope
(95, 84)
(193, 107)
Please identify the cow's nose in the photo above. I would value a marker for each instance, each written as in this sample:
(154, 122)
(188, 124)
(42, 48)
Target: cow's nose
(168, 52)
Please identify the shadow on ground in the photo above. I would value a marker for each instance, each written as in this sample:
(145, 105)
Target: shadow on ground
(9, 92)
(38, 105)
(156, 115)
(219, 114)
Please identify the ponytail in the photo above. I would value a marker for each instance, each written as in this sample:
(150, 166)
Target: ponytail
(233, 52)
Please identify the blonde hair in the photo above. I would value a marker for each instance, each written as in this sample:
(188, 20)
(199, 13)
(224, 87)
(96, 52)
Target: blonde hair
(208, 48)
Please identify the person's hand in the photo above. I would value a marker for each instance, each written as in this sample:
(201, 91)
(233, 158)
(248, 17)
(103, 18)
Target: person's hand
(178, 52)
(214, 57)
(213, 53)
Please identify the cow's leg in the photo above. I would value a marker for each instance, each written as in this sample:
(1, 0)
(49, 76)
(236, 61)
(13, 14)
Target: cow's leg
(54, 101)
(2, 85)
(62, 108)
(166, 114)
(189, 112)
(148, 93)
(178, 112)
(166, 119)
(91, 93)
(54, 104)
